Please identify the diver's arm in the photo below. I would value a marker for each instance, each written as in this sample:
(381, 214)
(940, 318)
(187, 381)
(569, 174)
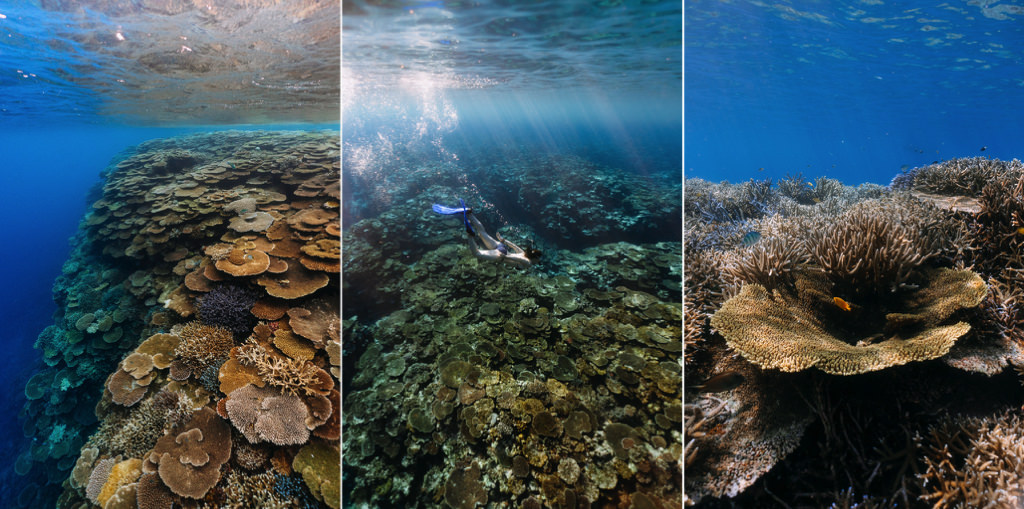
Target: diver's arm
(512, 248)
(516, 255)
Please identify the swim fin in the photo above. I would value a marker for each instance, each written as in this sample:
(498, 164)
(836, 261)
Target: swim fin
(441, 209)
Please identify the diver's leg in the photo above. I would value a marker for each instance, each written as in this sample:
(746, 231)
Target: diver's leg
(481, 233)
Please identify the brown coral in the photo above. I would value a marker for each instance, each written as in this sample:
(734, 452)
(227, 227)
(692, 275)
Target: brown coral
(790, 332)
(315, 321)
(126, 390)
(251, 222)
(153, 494)
(295, 282)
(769, 263)
(247, 262)
(974, 462)
(293, 375)
(264, 414)
(190, 457)
(875, 246)
(161, 348)
(202, 345)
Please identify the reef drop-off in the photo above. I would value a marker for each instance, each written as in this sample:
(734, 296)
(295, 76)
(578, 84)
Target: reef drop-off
(194, 356)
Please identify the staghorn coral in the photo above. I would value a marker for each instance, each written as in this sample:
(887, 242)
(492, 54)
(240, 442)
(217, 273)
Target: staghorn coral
(795, 331)
(876, 246)
(995, 243)
(694, 328)
(291, 375)
(769, 263)
(134, 433)
(957, 176)
(998, 340)
(974, 462)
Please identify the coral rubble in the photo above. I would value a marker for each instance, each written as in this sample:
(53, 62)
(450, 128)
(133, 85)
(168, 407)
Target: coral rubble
(169, 311)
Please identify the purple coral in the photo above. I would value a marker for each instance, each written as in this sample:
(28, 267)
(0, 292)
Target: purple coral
(228, 306)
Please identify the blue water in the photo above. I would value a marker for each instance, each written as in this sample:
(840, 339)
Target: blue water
(853, 90)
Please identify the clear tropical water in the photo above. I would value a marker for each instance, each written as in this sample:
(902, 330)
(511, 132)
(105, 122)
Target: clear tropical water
(850, 90)
(82, 82)
(558, 123)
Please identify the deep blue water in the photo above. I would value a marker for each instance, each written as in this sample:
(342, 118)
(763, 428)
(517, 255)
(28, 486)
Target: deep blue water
(852, 89)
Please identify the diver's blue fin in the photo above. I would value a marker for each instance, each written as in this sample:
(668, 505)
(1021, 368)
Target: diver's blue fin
(469, 227)
(441, 209)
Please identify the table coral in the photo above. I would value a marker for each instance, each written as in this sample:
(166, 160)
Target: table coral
(793, 332)
(189, 458)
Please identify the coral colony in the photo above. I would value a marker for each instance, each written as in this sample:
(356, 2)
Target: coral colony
(201, 295)
(866, 336)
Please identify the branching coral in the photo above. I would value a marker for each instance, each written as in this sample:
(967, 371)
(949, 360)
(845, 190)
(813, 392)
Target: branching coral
(995, 240)
(202, 345)
(228, 306)
(725, 203)
(875, 246)
(957, 176)
(694, 325)
(974, 462)
(292, 375)
(770, 262)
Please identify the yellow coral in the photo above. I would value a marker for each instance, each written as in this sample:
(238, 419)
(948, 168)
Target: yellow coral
(319, 465)
(790, 333)
(125, 472)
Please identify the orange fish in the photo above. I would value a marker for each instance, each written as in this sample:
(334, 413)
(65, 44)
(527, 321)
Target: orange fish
(1020, 230)
(841, 304)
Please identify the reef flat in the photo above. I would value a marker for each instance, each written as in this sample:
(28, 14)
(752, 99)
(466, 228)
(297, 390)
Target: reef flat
(872, 338)
(195, 354)
(479, 384)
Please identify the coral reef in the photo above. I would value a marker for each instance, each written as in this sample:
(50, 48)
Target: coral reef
(476, 383)
(974, 462)
(910, 294)
(958, 176)
(194, 247)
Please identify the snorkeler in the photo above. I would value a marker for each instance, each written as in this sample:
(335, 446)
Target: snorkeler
(485, 247)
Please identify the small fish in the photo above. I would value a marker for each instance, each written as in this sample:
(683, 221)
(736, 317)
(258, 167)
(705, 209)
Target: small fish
(984, 149)
(904, 167)
(751, 238)
(760, 169)
(1020, 231)
(841, 304)
(816, 200)
(810, 184)
(721, 382)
